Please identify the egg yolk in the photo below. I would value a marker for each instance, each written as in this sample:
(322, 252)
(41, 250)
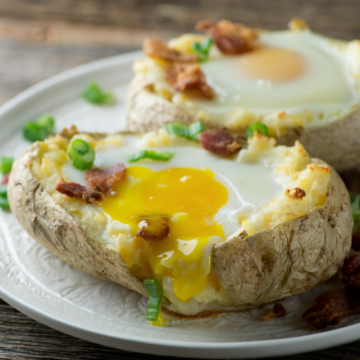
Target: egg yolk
(272, 64)
(190, 199)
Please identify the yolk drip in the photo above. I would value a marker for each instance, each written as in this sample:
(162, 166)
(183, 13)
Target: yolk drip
(190, 198)
(272, 64)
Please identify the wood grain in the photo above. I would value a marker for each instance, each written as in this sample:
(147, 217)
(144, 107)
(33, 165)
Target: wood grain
(40, 38)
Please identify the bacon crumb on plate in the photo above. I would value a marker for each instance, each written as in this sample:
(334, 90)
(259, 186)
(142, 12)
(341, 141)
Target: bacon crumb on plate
(277, 311)
(331, 307)
(231, 38)
(219, 142)
(350, 273)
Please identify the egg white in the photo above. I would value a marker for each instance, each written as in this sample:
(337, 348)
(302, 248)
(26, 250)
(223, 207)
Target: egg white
(325, 86)
(249, 185)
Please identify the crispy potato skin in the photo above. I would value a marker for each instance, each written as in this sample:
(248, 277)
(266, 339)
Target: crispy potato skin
(337, 143)
(49, 224)
(290, 258)
(147, 111)
(270, 265)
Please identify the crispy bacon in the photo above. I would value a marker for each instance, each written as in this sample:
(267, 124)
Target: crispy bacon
(99, 184)
(154, 229)
(356, 240)
(103, 180)
(5, 180)
(277, 311)
(219, 141)
(231, 38)
(77, 191)
(188, 77)
(350, 273)
(351, 263)
(158, 49)
(296, 193)
(331, 307)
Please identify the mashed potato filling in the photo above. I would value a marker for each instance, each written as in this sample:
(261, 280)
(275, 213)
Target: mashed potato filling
(113, 223)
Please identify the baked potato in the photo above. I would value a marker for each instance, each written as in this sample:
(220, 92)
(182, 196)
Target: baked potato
(301, 85)
(236, 232)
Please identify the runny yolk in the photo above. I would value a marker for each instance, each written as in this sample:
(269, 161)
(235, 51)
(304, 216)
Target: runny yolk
(190, 198)
(272, 64)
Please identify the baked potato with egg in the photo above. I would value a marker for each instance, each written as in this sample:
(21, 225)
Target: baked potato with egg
(306, 89)
(294, 240)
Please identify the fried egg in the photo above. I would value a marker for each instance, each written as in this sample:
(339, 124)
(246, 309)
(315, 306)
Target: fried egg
(293, 78)
(287, 71)
(205, 198)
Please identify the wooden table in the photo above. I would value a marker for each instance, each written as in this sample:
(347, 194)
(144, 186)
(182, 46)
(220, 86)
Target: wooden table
(41, 38)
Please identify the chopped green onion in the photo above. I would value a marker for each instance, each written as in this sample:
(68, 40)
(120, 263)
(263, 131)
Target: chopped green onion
(3, 191)
(257, 127)
(47, 122)
(355, 207)
(153, 155)
(81, 154)
(190, 132)
(4, 203)
(6, 164)
(95, 95)
(154, 291)
(202, 49)
(40, 129)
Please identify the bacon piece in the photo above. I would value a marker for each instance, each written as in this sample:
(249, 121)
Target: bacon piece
(351, 263)
(154, 229)
(231, 38)
(77, 191)
(356, 240)
(277, 311)
(103, 180)
(296, 193)
(331, 307)
(5, 180)
(70, 189)
(99, 184)
(219, 141)
(184, 77)
(350, 274)
(156, 48)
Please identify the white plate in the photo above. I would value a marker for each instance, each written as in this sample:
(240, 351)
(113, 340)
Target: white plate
(45, 288)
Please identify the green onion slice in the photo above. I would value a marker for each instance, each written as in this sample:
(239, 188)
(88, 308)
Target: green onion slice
(81, 154)
(4, 203)
(154, 291)
(153, 155)
(3, 191)
(40, 129)
(190, 132)
(95, 95)
(355, 207)
(257, 127)
(6, 164)
(202, 49)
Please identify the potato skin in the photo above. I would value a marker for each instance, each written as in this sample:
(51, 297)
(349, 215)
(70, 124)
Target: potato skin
(337, 144)
(270, 265)
(49, 224)
(290, 258)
